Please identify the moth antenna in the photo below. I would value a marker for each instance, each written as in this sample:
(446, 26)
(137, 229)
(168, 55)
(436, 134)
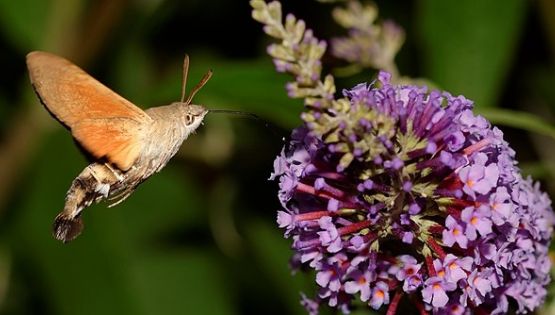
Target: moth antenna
(199, 86)
(185, 73)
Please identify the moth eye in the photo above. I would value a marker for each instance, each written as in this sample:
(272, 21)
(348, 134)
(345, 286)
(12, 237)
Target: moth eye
(188, 119)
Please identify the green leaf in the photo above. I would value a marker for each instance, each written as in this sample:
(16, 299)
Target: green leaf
(189, 282)
(133, 73)
(518, 119)
(24, 21)
(539, 80)
(167, 201)
(34, 24)
(467, 46)
(538, 170)
(272, 252)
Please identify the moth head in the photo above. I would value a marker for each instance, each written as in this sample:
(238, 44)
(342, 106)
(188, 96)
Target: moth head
(193, 115)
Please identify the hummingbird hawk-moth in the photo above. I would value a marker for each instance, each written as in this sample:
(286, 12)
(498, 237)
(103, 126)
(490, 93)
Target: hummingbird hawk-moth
(127, 145)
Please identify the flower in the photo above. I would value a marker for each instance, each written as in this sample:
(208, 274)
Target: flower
(368, 44)
(434, 291)
(400, 191)
(454, 233)
(454, 268)
(380, 295)
(311, 306)
(360, 283)
(408, 271)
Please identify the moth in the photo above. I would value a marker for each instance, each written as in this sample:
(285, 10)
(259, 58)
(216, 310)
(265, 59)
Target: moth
(125, 143)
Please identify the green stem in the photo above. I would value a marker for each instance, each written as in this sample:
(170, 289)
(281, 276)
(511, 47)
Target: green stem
(518, 119)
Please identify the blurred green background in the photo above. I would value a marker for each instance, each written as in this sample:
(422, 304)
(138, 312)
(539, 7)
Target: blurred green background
(200, 237)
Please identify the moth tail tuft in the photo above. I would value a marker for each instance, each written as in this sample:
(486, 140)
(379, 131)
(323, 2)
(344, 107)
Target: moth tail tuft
(66, 228)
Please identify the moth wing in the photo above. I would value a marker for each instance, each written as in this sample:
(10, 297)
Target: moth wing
(104, 123)
(116, 139)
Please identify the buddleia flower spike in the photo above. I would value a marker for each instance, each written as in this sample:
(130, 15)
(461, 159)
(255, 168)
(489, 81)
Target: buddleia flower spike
(400, 195)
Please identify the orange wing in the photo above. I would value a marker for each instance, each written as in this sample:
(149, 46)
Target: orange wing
(104, 123)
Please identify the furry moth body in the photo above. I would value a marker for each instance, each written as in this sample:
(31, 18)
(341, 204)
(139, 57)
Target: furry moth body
(127, 144)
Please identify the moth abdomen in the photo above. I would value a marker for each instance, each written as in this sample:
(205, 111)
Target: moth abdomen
(92, 185)
(66, 228)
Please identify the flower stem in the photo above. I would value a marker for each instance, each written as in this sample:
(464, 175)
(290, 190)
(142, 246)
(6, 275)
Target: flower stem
(420, 306)
(430, 266)
(355, 227)
(392, 309)
(302, 187)
(314, 215)
(476, 146)
(435, 247)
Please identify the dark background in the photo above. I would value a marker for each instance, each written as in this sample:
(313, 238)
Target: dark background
(200, 237)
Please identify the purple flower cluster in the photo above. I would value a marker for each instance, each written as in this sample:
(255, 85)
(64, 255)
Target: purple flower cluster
(405, 196)
(371, 46)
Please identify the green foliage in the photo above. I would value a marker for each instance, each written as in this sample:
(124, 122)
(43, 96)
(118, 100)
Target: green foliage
(23, 22)
(521, 120)
(200, 237)
(468, 46)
